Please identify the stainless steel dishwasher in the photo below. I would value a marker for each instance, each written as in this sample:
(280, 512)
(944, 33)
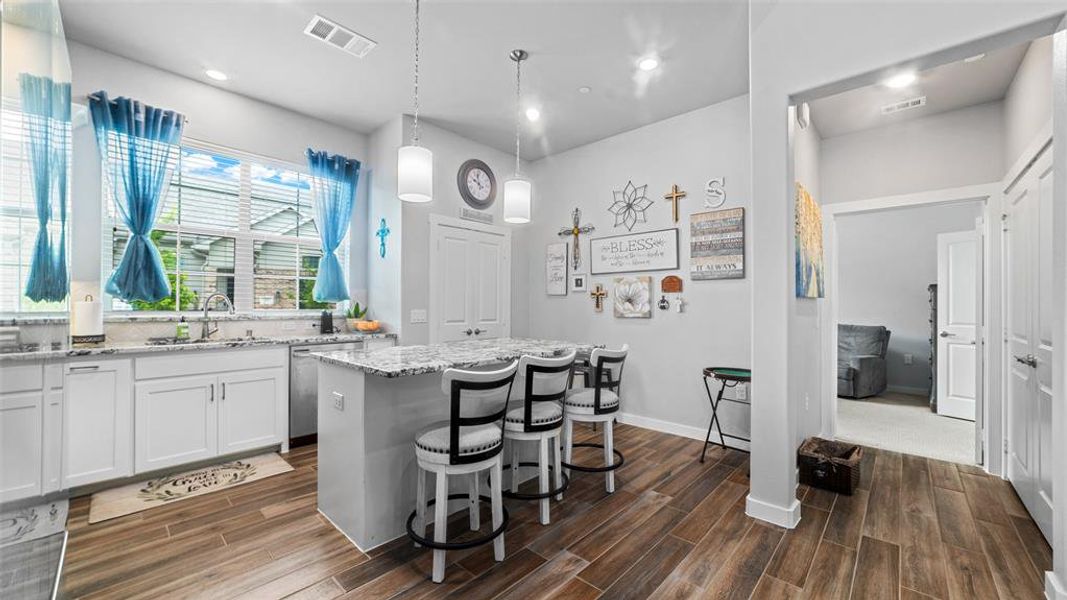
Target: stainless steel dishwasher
(304, 389)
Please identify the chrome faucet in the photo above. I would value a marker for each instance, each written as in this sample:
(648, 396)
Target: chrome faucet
(208, 330)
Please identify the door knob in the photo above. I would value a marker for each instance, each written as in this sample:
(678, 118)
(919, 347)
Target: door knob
(1029, 360)
(469, 331)
(945, 334)
(478, 332)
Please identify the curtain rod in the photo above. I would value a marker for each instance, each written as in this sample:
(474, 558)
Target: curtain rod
(185, 119)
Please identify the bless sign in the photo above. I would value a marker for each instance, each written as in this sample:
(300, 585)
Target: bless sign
(645, 251)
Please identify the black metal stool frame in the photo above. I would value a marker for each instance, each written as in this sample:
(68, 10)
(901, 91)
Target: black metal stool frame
(603, 380)
(715, 401)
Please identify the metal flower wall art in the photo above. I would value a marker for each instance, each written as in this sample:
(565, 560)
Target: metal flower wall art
(630, 205)
(633, 297)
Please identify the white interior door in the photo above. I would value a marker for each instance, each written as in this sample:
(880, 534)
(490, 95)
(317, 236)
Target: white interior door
(1028, 361)
(958, 287)
(470, 279)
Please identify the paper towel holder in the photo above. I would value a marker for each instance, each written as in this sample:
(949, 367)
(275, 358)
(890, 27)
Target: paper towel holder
(87, 339)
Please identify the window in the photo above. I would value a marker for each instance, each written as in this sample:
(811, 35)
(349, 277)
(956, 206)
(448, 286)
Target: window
(232, 224)
(18, 216)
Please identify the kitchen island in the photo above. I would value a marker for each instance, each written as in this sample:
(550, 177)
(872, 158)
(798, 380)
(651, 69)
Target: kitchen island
(371, 404)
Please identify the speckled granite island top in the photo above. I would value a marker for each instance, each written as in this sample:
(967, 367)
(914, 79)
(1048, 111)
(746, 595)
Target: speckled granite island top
(401, 361)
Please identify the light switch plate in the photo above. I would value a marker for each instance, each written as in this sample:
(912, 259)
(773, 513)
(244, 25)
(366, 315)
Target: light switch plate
(908, 359)
(338, 401)
(418, 315)
(741, 392)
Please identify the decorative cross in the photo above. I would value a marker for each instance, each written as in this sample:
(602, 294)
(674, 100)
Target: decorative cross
(598, 295)
(381, 234)
(674, 196)
(575, 230)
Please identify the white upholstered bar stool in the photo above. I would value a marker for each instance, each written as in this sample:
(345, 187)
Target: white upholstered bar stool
(538, 417)
(597, 404)
(469, 443)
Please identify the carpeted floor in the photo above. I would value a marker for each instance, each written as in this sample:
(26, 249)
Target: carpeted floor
(904, 423)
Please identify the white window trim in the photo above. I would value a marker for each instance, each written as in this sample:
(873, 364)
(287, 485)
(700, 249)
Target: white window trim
(244, 241)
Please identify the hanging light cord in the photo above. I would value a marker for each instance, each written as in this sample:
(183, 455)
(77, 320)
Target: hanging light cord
(518, 109)
(415, 127)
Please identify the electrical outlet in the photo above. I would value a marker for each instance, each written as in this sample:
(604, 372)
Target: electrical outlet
(741, 392)
(418, 315)
(908, 358)
(807, 402)
(289, 325)
(338, 401)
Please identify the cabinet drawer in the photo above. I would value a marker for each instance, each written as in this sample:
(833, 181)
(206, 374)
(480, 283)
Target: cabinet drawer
(178, 363)
(21, 377)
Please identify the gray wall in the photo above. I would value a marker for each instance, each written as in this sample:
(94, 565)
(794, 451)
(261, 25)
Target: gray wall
(886, 260)
(949, 149)
(1028, 105)
(662, 382)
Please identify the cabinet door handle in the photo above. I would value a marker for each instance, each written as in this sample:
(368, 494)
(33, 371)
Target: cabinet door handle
(478, 332)
(224, 390)
(85, 368)
(301, 350)
(212, 392)
(469, 331)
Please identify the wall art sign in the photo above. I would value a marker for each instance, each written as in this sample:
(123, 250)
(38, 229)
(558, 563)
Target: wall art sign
(671, 284)
(809, 261)
(715, 192)
(556, 269)
(633, 297)
(717, 244)
(627, 253)
(630, 205)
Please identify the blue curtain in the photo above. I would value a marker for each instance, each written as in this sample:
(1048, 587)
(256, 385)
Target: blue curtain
(46, 118)
(334, 180)
(139, 145)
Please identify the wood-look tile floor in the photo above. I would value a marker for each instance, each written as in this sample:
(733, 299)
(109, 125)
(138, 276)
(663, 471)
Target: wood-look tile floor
(674, 528)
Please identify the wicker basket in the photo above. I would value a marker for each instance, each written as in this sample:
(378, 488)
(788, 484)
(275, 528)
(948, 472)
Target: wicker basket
(833, 466)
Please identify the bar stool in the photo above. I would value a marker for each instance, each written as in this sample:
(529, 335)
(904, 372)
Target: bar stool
(465, 445)
(598, 404)
(538, 416)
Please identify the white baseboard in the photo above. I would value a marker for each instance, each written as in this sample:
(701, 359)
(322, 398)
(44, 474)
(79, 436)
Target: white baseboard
(904, 389)
(686, 431)
(1055, 589)
(787, 517)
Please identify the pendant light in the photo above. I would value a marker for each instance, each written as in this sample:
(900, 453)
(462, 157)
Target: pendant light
(518, 189)
(414, 164)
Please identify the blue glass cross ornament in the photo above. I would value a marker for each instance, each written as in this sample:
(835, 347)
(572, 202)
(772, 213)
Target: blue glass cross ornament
(381, 234)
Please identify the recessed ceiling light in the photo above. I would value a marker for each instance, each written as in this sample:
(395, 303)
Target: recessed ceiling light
(901, 80)
(532, 114)
(216, 75)
(649, 63)
(585, 89)
(975, 58)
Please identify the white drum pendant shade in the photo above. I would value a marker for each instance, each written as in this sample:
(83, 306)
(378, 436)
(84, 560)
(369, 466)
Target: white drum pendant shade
(414, 170)
(517, 200)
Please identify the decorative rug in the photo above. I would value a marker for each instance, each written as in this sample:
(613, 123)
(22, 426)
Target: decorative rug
(904, 423)
(136, 497)
(32, 522)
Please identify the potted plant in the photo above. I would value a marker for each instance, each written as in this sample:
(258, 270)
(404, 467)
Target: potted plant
(357, 321)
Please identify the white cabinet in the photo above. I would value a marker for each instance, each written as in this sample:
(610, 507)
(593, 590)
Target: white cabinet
(21, 427)
(98, 429)
(251, 409)
(177, 421)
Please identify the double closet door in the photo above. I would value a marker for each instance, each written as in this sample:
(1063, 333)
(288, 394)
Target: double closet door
(1028, 360)
(470, 280)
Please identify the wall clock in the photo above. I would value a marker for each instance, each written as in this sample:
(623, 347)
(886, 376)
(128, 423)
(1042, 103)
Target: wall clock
(477, 184)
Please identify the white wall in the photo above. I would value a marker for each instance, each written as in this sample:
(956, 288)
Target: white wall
(384, 274)
(662, 382)
(945, 150)
(216, 116)
(806, 313)
(794, 47)
(1028, 104)
(885, 261)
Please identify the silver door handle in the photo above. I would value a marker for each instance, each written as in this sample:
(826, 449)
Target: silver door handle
(946, 334)
(85, 368)
(478, 332)
(469, 331)
(224, 391)
(1029, 360)
(212, 398)
(301, 350)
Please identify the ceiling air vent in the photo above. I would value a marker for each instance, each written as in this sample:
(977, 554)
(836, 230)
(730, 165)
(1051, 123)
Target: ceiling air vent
(909, 104)
(339, 37)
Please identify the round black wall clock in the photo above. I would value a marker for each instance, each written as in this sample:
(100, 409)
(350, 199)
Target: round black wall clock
(477, 184)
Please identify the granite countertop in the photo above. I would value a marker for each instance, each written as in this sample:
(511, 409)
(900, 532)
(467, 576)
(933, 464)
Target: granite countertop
(401, 361)
(106, 348)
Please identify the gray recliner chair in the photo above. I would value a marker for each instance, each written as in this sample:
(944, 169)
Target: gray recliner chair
(861, 366)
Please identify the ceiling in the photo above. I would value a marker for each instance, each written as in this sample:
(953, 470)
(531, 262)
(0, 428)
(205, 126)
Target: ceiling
(467, 82)
(946, 87)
